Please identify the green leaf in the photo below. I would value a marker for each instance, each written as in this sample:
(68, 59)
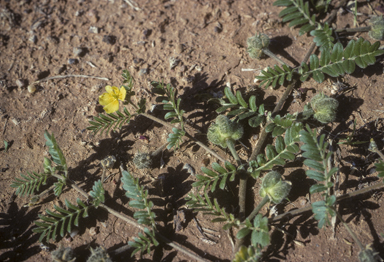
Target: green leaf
(317, 188)
(241, 100)
(252, 103)
(97, 193)
(231, 97)
(55, 151)
(243, 233)
(256, 120)
(5, 145)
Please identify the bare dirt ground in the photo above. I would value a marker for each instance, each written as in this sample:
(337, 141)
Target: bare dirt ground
(101, 38)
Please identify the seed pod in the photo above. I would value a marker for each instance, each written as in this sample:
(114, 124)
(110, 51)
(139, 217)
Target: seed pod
(224, 129)
(324, 108)
(274, 187)
(142, 160)
(377, 28)
(64, 254)
(256, 44)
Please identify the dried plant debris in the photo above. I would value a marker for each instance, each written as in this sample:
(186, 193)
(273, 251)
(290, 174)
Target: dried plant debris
(99, 254)
(173, 62)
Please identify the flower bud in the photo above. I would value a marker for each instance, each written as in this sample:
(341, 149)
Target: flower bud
(224, 129)
(256, 44)
(274, 187)
(142, 160)
(377, 27)
(47, 165)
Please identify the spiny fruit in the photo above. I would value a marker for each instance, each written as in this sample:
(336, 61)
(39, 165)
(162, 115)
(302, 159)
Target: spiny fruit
(224, 129)
(377, 27)
(142, 160)
(63, 254)
(274, 187)
(256, 44)
(322, 107)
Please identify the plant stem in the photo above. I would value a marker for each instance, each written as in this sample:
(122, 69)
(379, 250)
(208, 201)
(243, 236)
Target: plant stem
(300, 211)
(37, 198)
(158, 151)
(186, 134)
(243, 179)
(265, 200)
(231, 147)
(258, 208)
(264, 134)
(163, 238)
(349, 230)
(354, 30)
(133, 222)
(272, 55)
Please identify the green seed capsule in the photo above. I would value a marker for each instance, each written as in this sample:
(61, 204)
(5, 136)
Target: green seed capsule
(274, 187)
(256, 44)
(224, 129)
(377, 28)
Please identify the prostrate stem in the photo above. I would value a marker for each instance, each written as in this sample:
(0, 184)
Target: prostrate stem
(349, 230)
(258, 208)
(300, 211)
(272, 55)
(134, 223)
(354, 30)
(186, 134)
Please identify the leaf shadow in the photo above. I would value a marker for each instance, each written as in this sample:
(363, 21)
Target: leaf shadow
(18, 240)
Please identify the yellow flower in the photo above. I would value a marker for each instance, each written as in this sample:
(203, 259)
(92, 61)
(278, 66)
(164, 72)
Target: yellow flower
(110, 100)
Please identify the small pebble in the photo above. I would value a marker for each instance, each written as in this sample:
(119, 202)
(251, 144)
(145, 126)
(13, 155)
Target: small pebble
(53, 39)
(109, 39)
(108, 57)
(143, 71)
(32, 89)
(93, 231)
(21, 83)
(138, 61)
(32, 39)
(79, 12)
(183, 68)
(173, 62)
(74, 232)
(179, 49)
(37, 25)
(93, 29)
(72, 61)
(188, 79)
(218, 28)
(115, 49)
(79, 51)
(60, 69)
(93, 15)
(146, 33)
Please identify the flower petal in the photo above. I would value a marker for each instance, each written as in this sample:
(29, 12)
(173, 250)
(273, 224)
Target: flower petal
(112, 90)
(122, 94)
(112, 107)
(105, 99)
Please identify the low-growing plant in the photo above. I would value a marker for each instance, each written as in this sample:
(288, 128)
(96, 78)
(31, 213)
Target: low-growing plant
(238, 114)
